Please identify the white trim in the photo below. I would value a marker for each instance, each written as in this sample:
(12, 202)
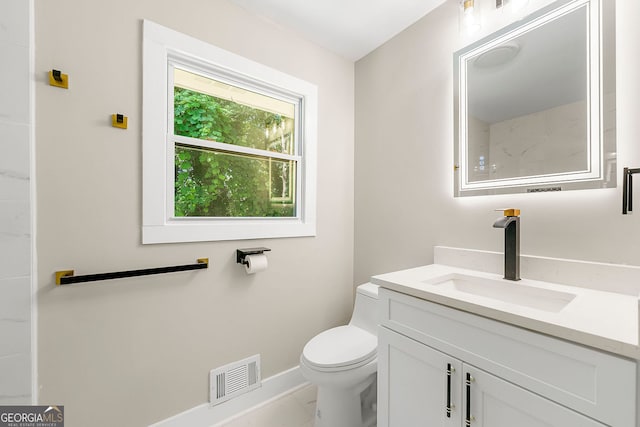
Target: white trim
(33, 205)
(221, 146)
(161, 44)
(206, 415)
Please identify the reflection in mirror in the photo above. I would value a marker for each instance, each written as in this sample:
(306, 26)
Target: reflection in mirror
(529, 101)
(520, 108)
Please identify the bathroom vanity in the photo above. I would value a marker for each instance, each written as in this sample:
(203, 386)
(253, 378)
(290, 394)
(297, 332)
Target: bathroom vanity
(460, 346)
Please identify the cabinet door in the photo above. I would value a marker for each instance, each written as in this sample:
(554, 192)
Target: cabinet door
(494, 402)
(414, 384)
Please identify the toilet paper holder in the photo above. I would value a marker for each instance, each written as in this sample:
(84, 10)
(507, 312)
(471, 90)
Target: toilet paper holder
(242, 253)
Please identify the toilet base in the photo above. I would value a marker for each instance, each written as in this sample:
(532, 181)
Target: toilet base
(337, 407)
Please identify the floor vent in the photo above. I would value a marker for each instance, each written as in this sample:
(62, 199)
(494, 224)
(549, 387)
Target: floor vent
(234, 379)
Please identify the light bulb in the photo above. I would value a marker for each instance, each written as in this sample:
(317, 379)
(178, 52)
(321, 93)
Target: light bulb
(470, 17)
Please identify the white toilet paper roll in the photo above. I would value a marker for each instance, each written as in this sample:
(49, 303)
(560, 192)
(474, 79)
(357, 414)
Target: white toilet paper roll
(256, 263)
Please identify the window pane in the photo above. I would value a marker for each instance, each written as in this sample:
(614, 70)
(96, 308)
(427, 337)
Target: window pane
(211, 183)
(208, 109)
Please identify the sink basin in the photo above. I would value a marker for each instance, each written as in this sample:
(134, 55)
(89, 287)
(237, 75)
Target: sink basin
(502, 290)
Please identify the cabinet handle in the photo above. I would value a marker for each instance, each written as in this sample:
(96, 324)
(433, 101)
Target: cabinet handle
(468, 382)
(450, 371)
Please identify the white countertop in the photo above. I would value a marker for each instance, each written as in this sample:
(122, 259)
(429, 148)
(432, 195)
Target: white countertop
(595, 318)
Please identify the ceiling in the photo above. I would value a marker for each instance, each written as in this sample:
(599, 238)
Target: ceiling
(351, 28)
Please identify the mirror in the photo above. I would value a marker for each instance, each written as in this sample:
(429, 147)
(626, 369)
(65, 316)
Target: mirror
(535, 103)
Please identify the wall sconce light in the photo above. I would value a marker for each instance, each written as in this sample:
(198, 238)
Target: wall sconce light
(469, 16)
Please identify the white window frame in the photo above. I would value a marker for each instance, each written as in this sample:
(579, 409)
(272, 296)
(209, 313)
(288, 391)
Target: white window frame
(161, 46)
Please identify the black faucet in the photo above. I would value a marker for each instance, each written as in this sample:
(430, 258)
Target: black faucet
(511, 224)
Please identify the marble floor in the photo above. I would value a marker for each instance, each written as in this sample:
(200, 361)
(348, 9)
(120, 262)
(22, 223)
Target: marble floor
(292, 410)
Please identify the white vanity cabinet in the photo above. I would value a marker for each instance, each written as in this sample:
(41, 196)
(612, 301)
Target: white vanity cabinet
(491, 374)
(418, 384)
(412, 384)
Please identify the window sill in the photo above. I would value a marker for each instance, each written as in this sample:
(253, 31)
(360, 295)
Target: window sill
(232, 229)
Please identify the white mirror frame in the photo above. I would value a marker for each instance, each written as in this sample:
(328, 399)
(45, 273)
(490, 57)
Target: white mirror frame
(600, 172)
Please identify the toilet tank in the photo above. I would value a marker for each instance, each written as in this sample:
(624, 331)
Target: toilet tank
(366, 310)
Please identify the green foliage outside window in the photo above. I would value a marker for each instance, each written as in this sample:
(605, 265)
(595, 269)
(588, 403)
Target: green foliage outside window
(210, 183)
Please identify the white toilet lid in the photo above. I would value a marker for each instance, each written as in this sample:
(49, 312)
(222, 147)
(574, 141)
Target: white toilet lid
(340, 347)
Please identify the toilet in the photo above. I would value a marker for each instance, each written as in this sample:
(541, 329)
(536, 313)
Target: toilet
(342, 363)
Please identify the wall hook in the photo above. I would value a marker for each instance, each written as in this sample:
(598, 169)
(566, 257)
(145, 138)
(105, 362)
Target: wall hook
(119, 121)
(58, 79)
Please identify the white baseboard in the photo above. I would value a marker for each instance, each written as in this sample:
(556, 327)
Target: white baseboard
(206, 415)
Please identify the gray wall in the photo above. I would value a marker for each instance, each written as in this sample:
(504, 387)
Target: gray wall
(16, 124)
(143, 347)
(404, 160)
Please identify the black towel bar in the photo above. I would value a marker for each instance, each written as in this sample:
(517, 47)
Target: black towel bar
(627, 189)
(66, 277)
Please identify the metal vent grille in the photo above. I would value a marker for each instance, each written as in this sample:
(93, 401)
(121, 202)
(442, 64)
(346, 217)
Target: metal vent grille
(234, 379)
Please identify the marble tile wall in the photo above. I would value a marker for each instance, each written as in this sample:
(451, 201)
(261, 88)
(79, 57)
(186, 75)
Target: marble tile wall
(550, 141)
(15, 204)
(546, 142)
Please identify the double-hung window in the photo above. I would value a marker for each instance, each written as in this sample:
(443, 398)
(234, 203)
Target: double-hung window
(229, 145)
